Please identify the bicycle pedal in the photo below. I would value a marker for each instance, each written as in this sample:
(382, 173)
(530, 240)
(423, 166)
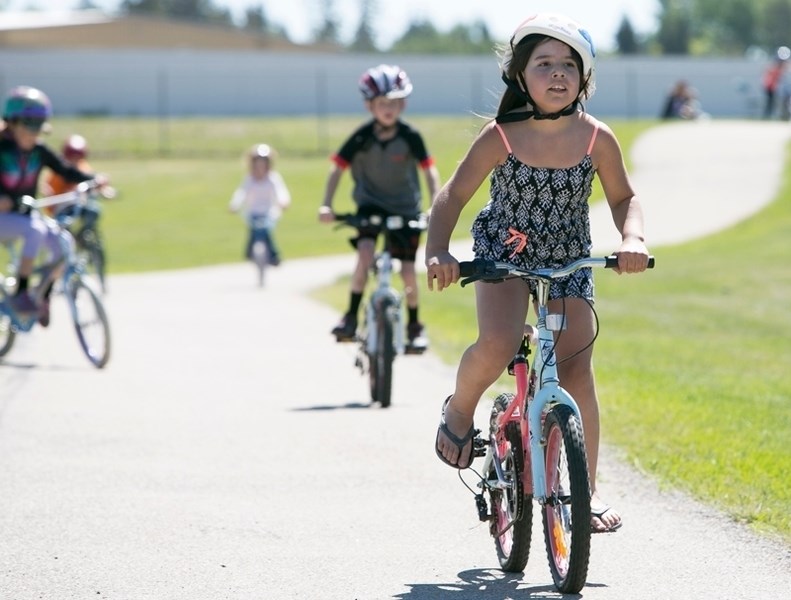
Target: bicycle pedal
(482, 508)
(479, 445)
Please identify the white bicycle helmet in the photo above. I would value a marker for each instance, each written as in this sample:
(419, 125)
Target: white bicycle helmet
(261, 151)
(389, 81)
(561, 28)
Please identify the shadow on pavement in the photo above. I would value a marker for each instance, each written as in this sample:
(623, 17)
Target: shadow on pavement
(347, 406)
(482, 584)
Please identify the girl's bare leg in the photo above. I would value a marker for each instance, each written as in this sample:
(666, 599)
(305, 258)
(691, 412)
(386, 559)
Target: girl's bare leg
(502, 309)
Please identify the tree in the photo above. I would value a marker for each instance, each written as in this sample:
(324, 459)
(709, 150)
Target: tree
(329, 30)
(777, 24)
(421, 37)
(674, 27)
(255, 19)
(198, 10)
(626, 39)
(364, 38)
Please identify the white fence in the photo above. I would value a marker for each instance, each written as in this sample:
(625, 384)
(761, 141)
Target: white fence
(192, 82)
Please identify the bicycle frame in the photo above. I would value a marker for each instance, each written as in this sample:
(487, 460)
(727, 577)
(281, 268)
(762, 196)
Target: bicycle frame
(548, 391)
(383, 268)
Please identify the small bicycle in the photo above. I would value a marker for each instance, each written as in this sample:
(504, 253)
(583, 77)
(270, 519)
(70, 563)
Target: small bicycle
(86, 308)
(82, 221)
(260, 226)
(381, 338)
(536, 446)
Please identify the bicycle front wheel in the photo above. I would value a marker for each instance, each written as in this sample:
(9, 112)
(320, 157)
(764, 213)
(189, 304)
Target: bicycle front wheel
(567, 513)
(90, 322)
(7, 334)
(511, 524)
(260, 259)
(381, 362)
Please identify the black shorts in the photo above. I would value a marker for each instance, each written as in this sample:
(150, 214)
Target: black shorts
(403, 242)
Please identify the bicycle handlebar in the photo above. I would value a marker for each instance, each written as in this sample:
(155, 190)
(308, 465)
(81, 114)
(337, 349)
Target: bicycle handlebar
(79, 195)
(389, 223)
(494, 271)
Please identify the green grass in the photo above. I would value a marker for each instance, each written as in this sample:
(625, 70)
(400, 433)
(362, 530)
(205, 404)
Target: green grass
(692, 358)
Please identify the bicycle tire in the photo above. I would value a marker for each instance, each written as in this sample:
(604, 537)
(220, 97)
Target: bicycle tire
(7, 334)
(96, 259)
(260, 260)
(381, 361)
(90, 322)
(566, 514)
(512, 545)
(91, 244)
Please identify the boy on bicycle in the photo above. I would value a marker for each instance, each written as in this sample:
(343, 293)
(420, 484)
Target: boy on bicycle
(384, 155)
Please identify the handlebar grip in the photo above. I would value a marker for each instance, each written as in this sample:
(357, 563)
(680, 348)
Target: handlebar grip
(612, 262)
(467, 268)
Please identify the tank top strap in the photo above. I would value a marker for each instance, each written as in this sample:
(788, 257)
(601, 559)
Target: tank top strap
(593, 139)
(505, 139)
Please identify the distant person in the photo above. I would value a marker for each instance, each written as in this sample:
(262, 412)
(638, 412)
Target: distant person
(384, 155)
(772, 79)
(676, 101)
(261, 194)
(682, 103)
(540, 154)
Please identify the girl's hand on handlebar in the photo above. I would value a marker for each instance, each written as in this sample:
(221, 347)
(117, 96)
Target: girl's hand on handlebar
(632, 256)
(442, 270)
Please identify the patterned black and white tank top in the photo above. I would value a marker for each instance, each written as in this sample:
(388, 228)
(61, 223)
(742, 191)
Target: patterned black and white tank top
(538, 217)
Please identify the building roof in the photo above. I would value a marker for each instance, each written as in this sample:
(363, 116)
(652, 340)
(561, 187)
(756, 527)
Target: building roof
(97, 29)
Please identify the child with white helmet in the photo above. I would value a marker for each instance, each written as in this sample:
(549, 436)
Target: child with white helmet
(262, 195)
(384, 156)
(541, 152)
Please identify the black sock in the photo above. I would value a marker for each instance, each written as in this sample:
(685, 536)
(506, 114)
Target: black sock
(354, 303)
(21, 285)
(412, 314)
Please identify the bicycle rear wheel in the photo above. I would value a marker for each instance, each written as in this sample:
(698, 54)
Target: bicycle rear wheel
(90, 322)
(91, 244)
(566, 514)
(381, 361)
(512, 510)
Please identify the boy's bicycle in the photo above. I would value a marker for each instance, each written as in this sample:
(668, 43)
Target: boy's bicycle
(86, 308)
(382, 336)
(536, 447)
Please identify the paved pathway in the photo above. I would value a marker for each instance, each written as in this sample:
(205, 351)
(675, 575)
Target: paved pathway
(229, 452)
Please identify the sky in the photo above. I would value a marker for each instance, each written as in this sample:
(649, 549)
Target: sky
(302, 17)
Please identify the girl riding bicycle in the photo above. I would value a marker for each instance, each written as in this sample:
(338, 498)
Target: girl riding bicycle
(261, 195)
(541, 152)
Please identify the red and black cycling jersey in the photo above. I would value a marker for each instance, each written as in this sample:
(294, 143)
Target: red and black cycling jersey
(20, 170)
(385, 172)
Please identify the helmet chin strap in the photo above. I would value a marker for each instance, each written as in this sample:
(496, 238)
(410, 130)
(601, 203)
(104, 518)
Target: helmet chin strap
(535, 113)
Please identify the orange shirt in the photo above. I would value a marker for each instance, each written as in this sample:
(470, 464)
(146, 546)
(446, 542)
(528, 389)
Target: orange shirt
(58, 185)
